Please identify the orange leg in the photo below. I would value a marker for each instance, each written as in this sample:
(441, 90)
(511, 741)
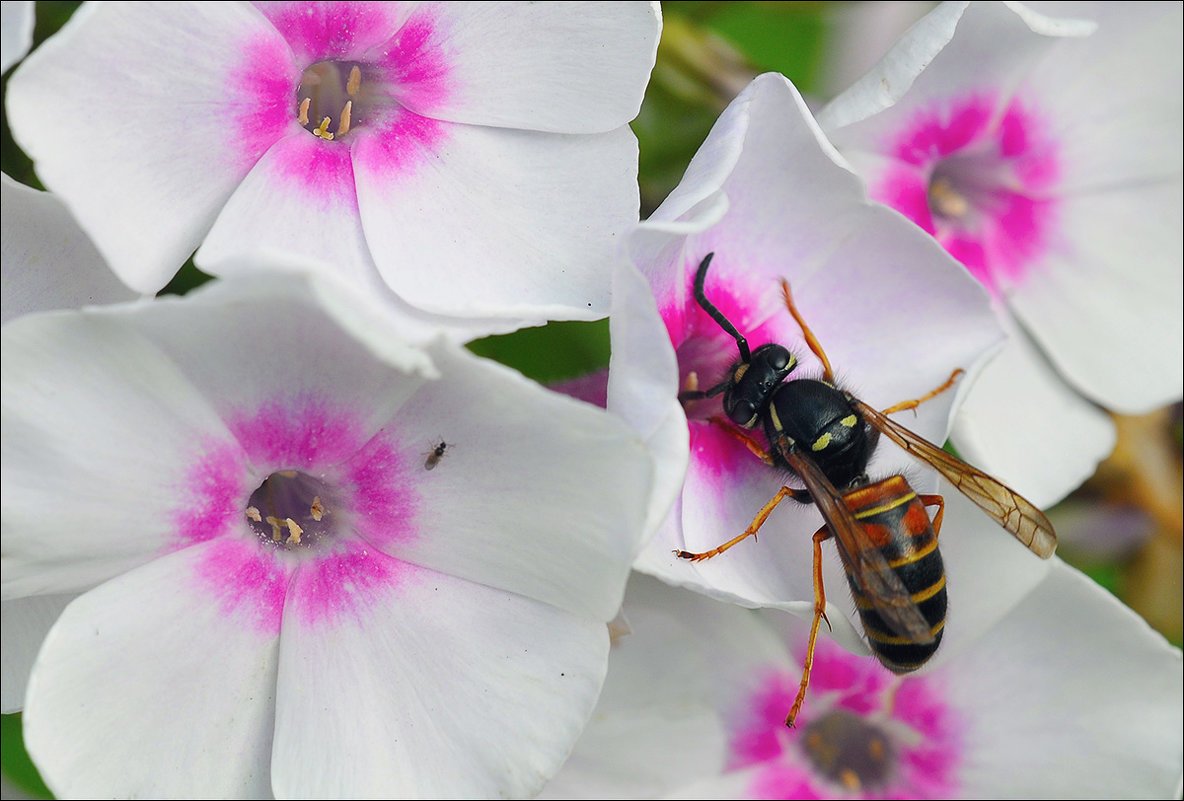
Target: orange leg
(758, 521)
(811, 340)
(819, 615)
(913, 404)
(940, 503)
(748, 440)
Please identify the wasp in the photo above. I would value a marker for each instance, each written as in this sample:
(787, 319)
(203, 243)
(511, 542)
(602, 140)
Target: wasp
(884, 535)
(435, 455)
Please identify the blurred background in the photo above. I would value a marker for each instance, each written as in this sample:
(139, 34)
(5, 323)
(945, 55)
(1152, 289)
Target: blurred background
(1124, 527)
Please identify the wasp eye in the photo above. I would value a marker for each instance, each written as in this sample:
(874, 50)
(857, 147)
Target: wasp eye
(742, 413)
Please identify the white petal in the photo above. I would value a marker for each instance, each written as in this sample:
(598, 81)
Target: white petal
(956, 49)
(888, 81)
(643, 385)
(1023, 425)
(48, 262)
(279, 339)
(988, 572)
(1114, 101)
(539, 494)
(649, 736)
(16, 24)
(26, 622)
(145, 127)
(1072, 695)
(298, 198)
(495, 222)
(441, 687)
(570, 68)
(100, 435)
(146, 688)
(1107, 304)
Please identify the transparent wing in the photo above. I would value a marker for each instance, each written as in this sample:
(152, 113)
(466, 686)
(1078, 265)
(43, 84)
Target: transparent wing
(1010, 509)
(888, 596)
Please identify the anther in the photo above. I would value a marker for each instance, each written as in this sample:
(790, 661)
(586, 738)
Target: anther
(946, 200)
(355, 81)
(343, 128)
(302, 118)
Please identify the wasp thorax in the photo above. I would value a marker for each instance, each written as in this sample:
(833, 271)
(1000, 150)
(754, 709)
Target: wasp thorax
(291, 509)
(333, 98)
(848, 750)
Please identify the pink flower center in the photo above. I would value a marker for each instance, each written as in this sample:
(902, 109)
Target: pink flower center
(862, 730)
(336, 497)
(976, 175)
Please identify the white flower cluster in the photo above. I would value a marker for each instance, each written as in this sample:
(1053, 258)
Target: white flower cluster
(286, 536)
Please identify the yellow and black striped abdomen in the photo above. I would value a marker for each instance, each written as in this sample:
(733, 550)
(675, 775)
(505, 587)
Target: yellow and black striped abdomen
(896, 523)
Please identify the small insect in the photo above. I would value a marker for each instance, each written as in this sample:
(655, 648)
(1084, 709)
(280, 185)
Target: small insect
(435, 455)
(885, 538)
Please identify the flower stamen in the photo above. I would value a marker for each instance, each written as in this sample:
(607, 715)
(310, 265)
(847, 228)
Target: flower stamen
(945, 200)
(295, 512)
(849, 750)
(332, 99)
(322, 130)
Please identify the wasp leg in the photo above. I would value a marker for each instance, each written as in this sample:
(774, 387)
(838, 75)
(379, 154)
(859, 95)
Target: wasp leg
(819, 615)
(746, 439)
(811, 340)
(753, 528)
(940, 503)
(913, 404)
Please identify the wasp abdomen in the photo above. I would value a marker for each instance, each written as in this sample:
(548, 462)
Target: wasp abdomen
(896, 523)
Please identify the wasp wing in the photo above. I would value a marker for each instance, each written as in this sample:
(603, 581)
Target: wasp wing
(1010, 509)
(871, 571)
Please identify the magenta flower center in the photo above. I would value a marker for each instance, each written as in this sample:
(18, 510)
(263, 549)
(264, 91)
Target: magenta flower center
(980, 178)
(849, 750)
(862, 733)
(291, 509)
(335, 97)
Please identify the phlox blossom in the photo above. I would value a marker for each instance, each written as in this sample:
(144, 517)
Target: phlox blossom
(1045, 155)
(474, 158)
(279, 593)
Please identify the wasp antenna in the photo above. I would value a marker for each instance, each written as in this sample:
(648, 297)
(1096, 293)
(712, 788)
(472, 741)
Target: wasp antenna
(716, 314)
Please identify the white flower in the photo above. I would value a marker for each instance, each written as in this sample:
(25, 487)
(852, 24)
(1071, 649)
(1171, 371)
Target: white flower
(279, 594)
(1046, 156)
(1069, 695)
(894, 313)
(475, 158)
(16, 31)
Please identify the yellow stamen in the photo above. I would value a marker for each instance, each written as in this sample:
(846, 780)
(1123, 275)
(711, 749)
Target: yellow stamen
(322, 130)
(355, 81)
(302, 118)
(343, 128)
(946, 199)
(295, 529)
(253, 514)
(317, 510)
(275, 526)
